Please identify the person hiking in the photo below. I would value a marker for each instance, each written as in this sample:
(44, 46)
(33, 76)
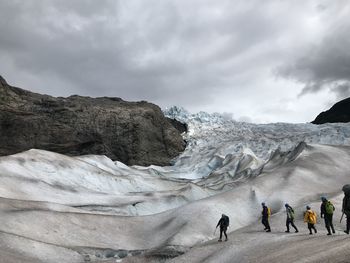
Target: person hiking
(346, 206)
(290, 218)
(224, 223)
(266, 212)
(310, 217)
(327, 209)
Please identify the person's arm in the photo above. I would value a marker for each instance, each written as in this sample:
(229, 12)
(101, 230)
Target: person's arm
(322, 210)
(306, 217)
(218, 223)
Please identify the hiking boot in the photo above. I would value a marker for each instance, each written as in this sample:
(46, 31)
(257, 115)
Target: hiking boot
(286, 231)
(310, 233)
(347, 232)
(269, 230)
(226, 239)
(329, 234)
(315, 231)
(219, 240)
(297, 231)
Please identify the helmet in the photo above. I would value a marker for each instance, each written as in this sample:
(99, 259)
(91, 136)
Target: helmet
(308, 207)
(263, 204)
(323, 198)
(286, 205)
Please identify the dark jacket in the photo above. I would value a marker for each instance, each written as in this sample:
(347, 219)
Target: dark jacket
(265, 212)
(346, 204)
(223, 222)
(323, 208)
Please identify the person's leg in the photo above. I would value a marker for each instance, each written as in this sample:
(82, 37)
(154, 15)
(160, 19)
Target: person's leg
(309, 226)
(268, 225)
(293, 225)
(264, 223)
(314, 228)
(225, 234)
(220, 234)
(287, 225)
(331, 223)
(348, 224)
(326, 223)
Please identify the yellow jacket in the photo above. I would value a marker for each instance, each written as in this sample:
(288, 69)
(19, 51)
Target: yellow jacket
(310, 217)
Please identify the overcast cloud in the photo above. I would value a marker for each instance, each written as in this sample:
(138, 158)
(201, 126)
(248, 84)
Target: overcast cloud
(263, 61)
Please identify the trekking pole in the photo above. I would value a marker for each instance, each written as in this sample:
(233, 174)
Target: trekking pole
(341, 217)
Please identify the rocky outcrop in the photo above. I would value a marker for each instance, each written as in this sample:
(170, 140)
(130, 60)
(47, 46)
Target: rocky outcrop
(131, 132)
(340, 112)
(178, 125)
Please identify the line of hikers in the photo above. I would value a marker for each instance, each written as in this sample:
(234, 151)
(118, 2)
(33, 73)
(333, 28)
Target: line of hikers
(310, 216)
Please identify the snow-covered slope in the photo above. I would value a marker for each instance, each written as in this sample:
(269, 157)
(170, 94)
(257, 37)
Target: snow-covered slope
(252, 244)
(57, 208)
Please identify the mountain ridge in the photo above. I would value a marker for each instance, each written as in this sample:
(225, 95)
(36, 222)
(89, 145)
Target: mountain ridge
(339, 112)
(131, 132)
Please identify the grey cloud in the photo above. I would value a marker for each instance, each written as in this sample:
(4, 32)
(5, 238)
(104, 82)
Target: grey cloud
(342, 90)
(324, 65)
(86, 43)
(187, 53)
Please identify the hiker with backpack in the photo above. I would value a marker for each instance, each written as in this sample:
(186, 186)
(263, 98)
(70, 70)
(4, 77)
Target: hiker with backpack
(327, 209)
(224, 223)
(346, 206)
(290, 218)
(266, 212)
(310, 217)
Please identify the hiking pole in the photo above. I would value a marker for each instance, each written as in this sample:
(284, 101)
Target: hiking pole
(341, 217)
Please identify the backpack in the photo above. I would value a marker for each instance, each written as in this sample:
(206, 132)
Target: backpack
(290, 213)
(329, 208)
(312, 217)
(227, 221)
(268, 211)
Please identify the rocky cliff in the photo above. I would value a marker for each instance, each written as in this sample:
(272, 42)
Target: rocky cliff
(339, 112)
(131, 132)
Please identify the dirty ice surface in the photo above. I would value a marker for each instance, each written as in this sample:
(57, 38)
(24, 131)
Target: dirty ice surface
(56, 208)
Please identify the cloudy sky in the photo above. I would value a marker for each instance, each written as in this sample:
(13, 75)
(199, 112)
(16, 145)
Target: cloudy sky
(261, 61)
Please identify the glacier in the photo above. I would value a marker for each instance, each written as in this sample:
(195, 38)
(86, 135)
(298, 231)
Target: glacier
(57, 208)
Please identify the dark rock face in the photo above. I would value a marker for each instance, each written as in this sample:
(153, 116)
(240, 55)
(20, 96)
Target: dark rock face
(340, 112)
(181, 127)
(131, 132)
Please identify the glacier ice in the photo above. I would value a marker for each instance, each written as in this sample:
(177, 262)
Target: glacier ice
(213, 136)
(74, 209)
